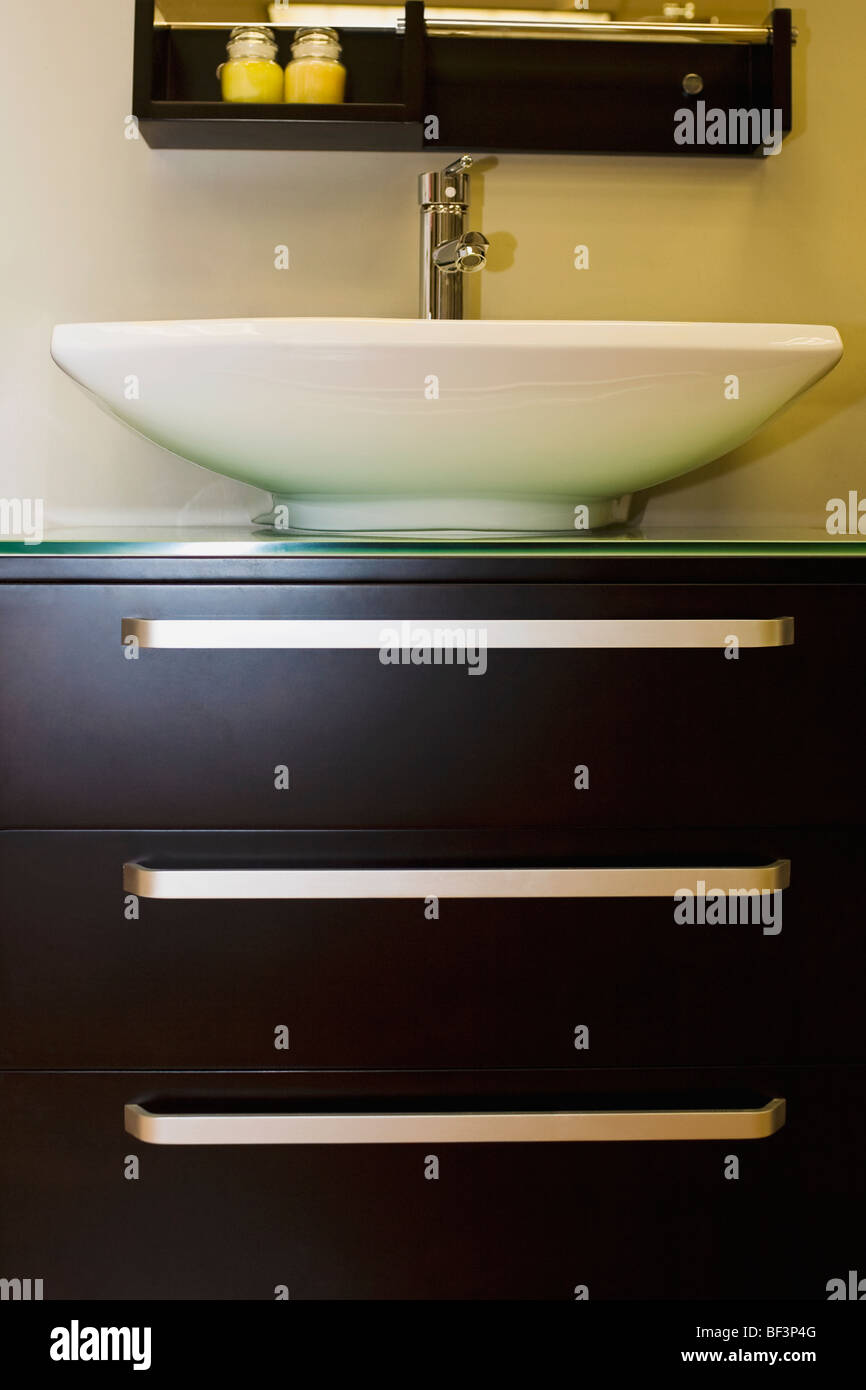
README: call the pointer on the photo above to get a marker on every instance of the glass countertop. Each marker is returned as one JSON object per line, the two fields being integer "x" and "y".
{"x": 240, "y": 542}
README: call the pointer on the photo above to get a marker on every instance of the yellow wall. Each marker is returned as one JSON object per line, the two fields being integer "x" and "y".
{"x": 101, "y": 227}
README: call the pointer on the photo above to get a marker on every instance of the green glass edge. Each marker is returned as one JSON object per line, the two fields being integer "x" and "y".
{"x": 631, "y": 548}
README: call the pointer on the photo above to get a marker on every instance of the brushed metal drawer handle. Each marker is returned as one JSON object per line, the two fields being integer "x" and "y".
{"x": 150, "y": 881}
{"x": 493, "y": 1127}
{"x": 336, "y": 634}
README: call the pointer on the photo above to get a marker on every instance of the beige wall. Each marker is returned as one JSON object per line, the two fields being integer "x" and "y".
{"x": 98, "y": 227}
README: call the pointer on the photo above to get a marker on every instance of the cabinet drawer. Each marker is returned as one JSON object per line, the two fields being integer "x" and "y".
{"x": 270, "y": 706}
{"x": 95, "y": 1212}
{"x": 298, "y": 949}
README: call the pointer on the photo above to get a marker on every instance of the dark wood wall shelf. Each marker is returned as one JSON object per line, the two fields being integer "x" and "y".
{"x": 491, "y": 94}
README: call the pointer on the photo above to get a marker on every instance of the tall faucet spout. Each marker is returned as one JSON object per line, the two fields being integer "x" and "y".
{"x": 464, "y": 253}
{"x": 448, "y": 249}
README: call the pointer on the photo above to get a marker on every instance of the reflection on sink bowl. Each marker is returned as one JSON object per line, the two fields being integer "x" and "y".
{"x": 408, "y": 424}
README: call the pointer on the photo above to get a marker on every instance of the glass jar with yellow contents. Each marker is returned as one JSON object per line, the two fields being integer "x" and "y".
{"x": 251, "y": 73}
{"x": 315, "y": 74}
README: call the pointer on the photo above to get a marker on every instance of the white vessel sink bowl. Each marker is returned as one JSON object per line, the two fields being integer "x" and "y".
{"x": 411, "y": 425}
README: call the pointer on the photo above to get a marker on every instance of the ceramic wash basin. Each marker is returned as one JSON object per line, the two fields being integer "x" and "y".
{"x": 474, "y": 425}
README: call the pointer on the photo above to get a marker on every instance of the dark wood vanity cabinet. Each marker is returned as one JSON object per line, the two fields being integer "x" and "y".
{"x": 254, "y": 878}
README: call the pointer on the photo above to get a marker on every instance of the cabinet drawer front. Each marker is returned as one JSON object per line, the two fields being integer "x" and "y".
{"x": 270, "y": 706}
{"x": 93, "y": 1211}
{"x": 298, "y": 949}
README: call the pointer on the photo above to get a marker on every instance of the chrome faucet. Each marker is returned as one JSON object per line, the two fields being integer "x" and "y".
{"x": 448, "y": 250}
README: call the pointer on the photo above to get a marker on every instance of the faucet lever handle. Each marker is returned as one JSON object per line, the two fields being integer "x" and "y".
{"x": 446, "y": 186}
{"x": 459, "y": 165}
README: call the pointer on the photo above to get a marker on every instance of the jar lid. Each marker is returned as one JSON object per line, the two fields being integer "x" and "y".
{"x": 316, "y": 42}
{"x": 252, "y": 41}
